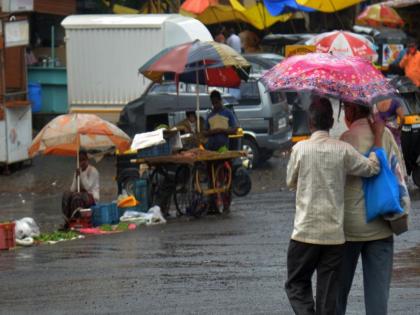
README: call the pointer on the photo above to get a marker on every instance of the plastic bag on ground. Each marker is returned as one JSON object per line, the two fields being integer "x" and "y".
{"x": 153, "y": 216}
{"x": 26, "y": 227}
{"x": 134, "y": 217}
{"x": 156, "y": 216}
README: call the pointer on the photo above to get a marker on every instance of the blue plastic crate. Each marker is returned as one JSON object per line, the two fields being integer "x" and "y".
{"x": 156, "y": 150}
{"x": 141, "y": 191}
{"x": 105, "y": 214}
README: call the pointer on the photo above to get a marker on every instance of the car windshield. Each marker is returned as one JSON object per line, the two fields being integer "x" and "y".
{"x": 247, "y": 93}
{"x": 163, "y": 88}
{"x": 166, "y": 87}
{"x": 262, "y": 62}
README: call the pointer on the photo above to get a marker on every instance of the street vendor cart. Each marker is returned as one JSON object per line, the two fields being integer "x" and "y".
{"x": 202, "y": 179}
{"x": 195, "y": 179}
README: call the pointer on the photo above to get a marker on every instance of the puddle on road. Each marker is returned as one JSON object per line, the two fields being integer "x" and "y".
{"x": 407, "y": 267}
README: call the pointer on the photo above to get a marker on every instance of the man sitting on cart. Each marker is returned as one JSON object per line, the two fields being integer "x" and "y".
{"x": 220, "y": 123}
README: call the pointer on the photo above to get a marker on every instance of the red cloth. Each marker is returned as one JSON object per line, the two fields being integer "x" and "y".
{"x": 96, "y": 231}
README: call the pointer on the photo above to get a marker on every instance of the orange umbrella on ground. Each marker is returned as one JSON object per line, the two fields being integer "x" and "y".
{"x": 66, "y": 134}
{"x": 380, "y": 15}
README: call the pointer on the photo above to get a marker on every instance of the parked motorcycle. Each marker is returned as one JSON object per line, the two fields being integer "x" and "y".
{"x": 410, "y": 132}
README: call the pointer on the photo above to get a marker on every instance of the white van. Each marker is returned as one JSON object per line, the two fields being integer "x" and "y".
{"x": 104, "y": 53}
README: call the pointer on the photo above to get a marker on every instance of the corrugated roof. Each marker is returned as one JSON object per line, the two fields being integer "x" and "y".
{"x": 120, "y": 20}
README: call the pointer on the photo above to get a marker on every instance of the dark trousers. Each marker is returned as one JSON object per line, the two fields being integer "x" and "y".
{"x": 377, "y": 260}
{"x": 73, "y": 200}
{"x": 302, "y": 260}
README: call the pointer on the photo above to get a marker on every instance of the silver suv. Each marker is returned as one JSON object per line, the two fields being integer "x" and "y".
{"x": 263, "y": 116}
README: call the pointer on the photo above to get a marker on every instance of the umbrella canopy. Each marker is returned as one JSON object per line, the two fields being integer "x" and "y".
{"x": 215, "y": 11}
{"x": 380, "y": 15}
{"x": 328, "y": 5}
{"x": 344, "y": 43}
{"x": 66, "y": 134}
{"x": 198, "y": 7}
{"x": 276, "y": 7}
{"x": 210, "y": 63}
{"x": 351, "y": 79}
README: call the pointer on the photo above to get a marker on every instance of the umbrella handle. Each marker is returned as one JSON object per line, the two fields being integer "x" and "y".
{"x": 340, "y": 107}
{"x": 77, "y": 173}
{"x": 198, "y": 101}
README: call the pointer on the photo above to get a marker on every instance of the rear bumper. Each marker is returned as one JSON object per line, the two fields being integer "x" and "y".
{"x": 277, "y": 141}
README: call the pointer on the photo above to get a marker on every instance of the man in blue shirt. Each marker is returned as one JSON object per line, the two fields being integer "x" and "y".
{"x": 220, "y": 123}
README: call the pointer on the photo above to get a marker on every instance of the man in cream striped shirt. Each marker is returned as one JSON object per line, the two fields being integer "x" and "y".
{"x": 317, "y": 169}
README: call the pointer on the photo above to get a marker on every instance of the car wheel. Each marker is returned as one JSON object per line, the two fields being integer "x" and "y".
{"x": 184, "y": 189}
{"x": 252, "y": 150}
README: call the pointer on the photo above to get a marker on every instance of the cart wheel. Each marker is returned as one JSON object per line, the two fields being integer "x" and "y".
{"x": 201, "y": 178}
{"x": 221, "y": 201}
{"x": 199, "y": 205}
{"x": 241, "y": 182}
{"x": 154, "y": 180}
{"x": 183, "y": 189}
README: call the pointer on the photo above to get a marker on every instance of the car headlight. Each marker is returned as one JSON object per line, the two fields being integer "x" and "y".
{"x": 282, "y": 123}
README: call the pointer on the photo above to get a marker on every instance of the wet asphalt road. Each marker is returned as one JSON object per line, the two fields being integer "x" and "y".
{"x": 229, "y": 264}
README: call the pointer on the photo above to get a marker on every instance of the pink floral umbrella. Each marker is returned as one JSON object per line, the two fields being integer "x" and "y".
{"x": 351, "y": 79}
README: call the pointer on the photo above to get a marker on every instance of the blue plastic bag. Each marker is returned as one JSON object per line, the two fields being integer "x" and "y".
{"x": 382, "y": 193}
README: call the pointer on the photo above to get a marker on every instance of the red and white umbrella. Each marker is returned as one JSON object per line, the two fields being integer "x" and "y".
{"x": 343, "y": 43}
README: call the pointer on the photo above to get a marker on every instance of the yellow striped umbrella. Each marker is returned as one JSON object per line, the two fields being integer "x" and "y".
{"x": 213, "y": 12}
{"x": 328, "y": 5}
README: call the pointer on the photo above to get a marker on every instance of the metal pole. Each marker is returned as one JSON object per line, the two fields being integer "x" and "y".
{"x": 78, "y": 169}
{"x": 52, "y": 46}
{"x": 337, "y": 15}
{"x": 197, "y": 92}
